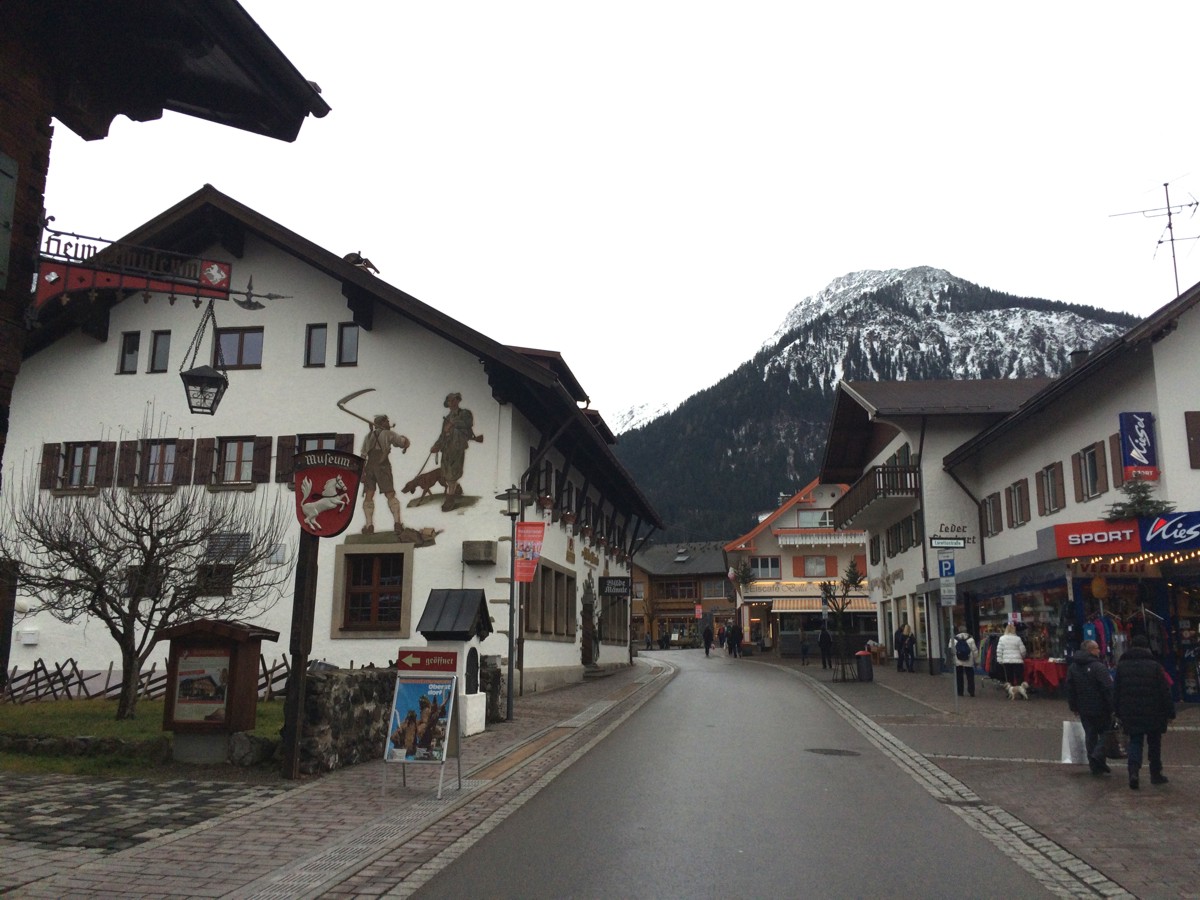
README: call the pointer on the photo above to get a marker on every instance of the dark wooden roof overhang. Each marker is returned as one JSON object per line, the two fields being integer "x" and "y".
{"x": 203, "y": 58}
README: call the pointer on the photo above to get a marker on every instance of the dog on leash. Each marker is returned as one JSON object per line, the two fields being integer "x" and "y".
{"x": 426, "y": 481}
{"x": 1018, "y": 690}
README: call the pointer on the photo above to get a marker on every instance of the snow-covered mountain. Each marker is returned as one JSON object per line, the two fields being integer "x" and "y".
{"x": 758, "y": 433}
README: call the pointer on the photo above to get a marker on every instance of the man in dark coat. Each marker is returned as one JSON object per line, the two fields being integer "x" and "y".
{"x": 825, "y": 642}
{"x": 898, "y": 643}
{"x": 708, "y": 639}
{"x": 1090, "y": 695}
{"x": 1143, "y": 703}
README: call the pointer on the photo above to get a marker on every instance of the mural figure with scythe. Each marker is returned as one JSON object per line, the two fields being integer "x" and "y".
{"x": 377, "y": 468}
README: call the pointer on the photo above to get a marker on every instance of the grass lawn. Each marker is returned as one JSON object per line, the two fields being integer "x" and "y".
{"x": 96, "y": 718}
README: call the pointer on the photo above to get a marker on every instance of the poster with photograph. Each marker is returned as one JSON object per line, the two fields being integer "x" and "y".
{"x": 422, "y": 708}
{"x": 528, "y": 550}
{"x": 200, "y": 685}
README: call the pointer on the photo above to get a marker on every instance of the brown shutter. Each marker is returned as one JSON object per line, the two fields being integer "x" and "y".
{"x": 260, "y": 471}
{"x": 1057, "y": 469}
{"x": 285, "y": 453}
{"x": 1077, "y": 475}
{"x": 206, "y": 454}
{"x": 1025, "y": 498}
{"x": 127, "y": 457}
{"x": 1191, "y": 425}
{"x": 1101, "y": 469}
{"x": 51, "y": 466}
{"x": 1008, "y": 507}
{"x": 861, "y": 562}
{"x": 106, "y": 464}
{"x": 1041, "y": 494}
{"x": 183, "y": 461}
{"x": 797, "y": 566}
{"x": 1114, "y": 452}
{"x": 344, "y": 442}
{"x": 831, "y": 566}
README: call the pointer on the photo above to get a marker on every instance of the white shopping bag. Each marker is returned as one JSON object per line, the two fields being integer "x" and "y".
{"x": 1072, "y": 743}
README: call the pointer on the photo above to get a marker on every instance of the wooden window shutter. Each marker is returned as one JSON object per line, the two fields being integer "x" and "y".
{"x": 1101, "y": 469}
{"x": 183, "y": 461}
{"x": 206, "y": 454}
{"x": 1040, "y": 483}
{"x": 344, "y": 442}
{"x": 106, "y": 464}
{"x": 1114, "y": 453}
{"x": 831, "y": 567}
{"x": 797, "y": 566}
{"x": 1057, "y": 470}
{"x": 260, "y": 471}
{"x": 127, "y": 458}
{"x": 51, "y": 466}
{"x": 1025, "y": 497}
{"x": 1008, "y": 507}
{"x": 285, "y": 452}
{"x": 999, "y": 517}
{"x": 1077, "y": 475}
{"x": 861, "y": 562}
{"x": 1191, "y": 425}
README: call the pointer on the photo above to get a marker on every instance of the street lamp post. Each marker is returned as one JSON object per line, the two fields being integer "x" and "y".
{"x": 514, "y": 501}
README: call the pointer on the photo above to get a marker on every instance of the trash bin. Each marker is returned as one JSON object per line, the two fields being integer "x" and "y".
{"x": 866, "y": 671}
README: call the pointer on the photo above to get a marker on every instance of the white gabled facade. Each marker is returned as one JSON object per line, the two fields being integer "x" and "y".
{"x": 525, "y": 406}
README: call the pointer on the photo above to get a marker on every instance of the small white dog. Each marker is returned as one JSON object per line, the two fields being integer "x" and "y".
{"x": 1018, "y": 690}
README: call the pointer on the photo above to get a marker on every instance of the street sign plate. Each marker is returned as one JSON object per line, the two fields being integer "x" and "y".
{"x": 948, "y": 543}
{"x": 427, "y": 661}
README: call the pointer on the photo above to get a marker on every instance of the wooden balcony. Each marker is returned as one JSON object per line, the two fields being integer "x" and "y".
{"x": 884, "y": 490}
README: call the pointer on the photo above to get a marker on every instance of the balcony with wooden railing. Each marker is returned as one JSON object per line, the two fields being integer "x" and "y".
{"x": 882, "y": 492}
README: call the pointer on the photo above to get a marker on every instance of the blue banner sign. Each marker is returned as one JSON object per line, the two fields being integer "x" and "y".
{"x": 1139, "y": 455}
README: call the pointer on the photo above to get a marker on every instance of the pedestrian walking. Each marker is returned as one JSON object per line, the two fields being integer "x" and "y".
{"x": 803, "y": 647}
{"x": 1090, "y": 696}
{"x": 962, "y": 645}
{"x": 708, "y": 639}
{"x": 1143, "y": 704}
{"x": 908, "y": 649}
{"x": 825, "y": 642}
{"x": 649, "y": 640}
{"x": 1010, "y": 653}
{"x": 734, "y": 637}
{"x": 898, "y": 648}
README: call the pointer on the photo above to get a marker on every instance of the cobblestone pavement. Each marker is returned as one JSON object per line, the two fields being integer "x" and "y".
{"x": 368, "y": 827}
{"x": 361, "y": 832}
{"x": 1002, "y": 759}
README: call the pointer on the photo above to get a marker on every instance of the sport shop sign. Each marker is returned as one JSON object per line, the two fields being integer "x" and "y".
{"x": 1152, "y": 534}
{"x": 326, "y": 490}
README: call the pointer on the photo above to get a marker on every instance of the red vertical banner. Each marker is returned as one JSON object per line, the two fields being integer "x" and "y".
{"x": 528, "y": 550}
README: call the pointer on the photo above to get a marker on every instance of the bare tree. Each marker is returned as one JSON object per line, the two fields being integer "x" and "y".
{"x": 140, "y": 561}
{"x": 851, "y": 580}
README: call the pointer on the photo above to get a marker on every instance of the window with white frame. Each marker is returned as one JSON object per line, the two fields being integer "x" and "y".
{"x": 1016, "y": 498}
{"x": 714, "y": 588}
{"x": 1050, "y": 489}
{"x": 815, "y": 518}
{"x": 765, "y": 568}
{"x": 993, "y": 518}
{"x": 814, "y": 567}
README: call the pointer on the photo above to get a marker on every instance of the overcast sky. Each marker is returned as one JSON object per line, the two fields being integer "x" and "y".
{"x": 648, "y": 187}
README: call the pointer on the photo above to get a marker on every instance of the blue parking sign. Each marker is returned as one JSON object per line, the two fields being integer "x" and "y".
{"x": 945, "y": 568}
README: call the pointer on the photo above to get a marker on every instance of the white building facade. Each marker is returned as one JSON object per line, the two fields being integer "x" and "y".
{"x": 100, "y": 385}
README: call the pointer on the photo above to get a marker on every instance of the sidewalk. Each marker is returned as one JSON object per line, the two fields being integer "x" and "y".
{"x": 354, "y": 832}
{"x": 1007, "y": 752}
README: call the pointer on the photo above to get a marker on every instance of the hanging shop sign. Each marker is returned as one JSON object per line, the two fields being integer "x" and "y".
{"x": 326, "y": 484}
{"x": 615, "y": 585}
{"x": 1139, "y": 455}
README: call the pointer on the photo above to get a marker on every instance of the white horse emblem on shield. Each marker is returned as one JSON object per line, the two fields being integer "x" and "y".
{"x": 333, "y": 496}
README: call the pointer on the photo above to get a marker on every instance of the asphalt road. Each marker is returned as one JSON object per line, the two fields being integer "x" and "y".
{"x": 735, "y": 780}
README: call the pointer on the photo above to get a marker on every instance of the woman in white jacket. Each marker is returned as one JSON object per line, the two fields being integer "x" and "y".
{"x": 1010, "y": 653}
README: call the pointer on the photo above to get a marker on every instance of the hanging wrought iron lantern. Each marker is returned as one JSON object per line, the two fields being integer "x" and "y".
{"x": 204, "y": 385}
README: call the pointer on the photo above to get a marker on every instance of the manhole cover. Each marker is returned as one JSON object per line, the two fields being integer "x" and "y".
{"x": 833, "y": 751}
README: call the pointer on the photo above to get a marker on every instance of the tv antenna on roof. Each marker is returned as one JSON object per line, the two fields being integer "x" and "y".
{"x": 1170, "y": 212}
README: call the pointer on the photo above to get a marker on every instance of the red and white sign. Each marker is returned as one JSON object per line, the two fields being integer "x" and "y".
{"x": 1097, "y": 538}
{"x": 699, "y": 611}
{"x": 427, "y": 660}
{"x": 326, "y": 488}
{"x": 528, "y": 550}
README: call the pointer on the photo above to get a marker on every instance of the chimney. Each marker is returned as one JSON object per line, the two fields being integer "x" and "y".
{"x": 1078, "y": 357}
